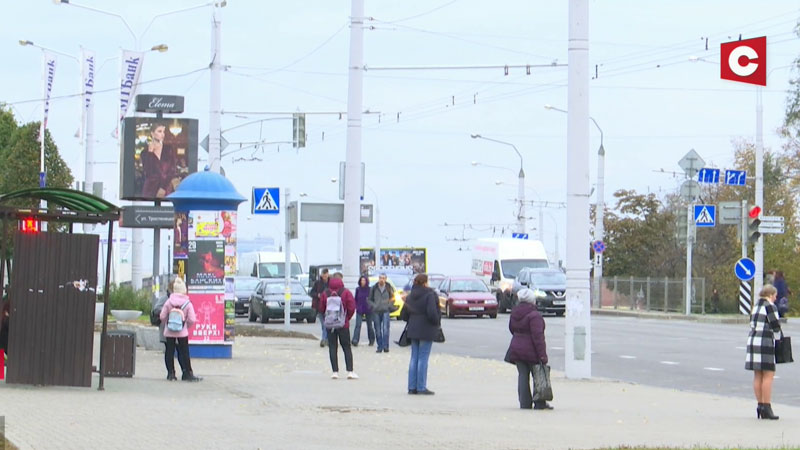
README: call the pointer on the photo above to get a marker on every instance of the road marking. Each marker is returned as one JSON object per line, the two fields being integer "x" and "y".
{"x": 741, "y": 348}
{"x": 557, "y": 348}
{"x": 627, "y": 357}
{"x": 714, "y": 369}
{"x": 670, "y": 363}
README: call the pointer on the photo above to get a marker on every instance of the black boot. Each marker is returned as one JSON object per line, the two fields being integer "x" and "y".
{"x": 766, "y": 412}
{"x": 190, "y": 377}
{"x": 758, "y": 410}
{"x": 171, "y": 376}
{"x": 541, "y": 405}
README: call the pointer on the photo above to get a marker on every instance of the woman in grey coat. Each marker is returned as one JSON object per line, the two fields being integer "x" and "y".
{"x": 764, "y": 327}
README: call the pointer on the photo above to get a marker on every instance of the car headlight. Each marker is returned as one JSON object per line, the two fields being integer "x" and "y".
{"x": 460, "y": 302}
{"x": 505, "y": 286}
{"x": 539, "y": 293}
{"x": 306, "y": 304}
{"x": 491, "y": 302}
{"x": 273, "y": 304}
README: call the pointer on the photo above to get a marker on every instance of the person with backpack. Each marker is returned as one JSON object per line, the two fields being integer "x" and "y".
{"x": 155, "y": 319}
{"x": 339, "y": 306}
{"x": 178, "y": 315}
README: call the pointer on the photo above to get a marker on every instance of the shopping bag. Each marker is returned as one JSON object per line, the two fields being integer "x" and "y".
{"x": 403, "y": 341}
{"x": 439, "y": 336}
{"x": 542, "y": 390}
{"x": 783, "y": 350}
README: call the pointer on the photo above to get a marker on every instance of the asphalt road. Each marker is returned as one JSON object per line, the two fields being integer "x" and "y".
{"x": 672, "y": 354}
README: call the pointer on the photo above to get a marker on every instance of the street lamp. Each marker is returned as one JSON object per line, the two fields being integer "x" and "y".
{"x": 599, "y": 228}
{"x": 521, "y": 185}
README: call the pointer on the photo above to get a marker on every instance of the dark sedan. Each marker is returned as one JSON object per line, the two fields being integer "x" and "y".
{"x": 244, "y": 288}
{"x": 268, "y": 302}
{"x": 466, "y": 296}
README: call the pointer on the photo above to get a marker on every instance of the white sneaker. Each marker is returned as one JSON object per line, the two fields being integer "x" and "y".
{"x": 335, "y": 375}
{"x": 352, "y": 376}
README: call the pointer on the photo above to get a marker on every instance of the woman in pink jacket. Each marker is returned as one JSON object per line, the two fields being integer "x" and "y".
{"x": 180, "y": 303}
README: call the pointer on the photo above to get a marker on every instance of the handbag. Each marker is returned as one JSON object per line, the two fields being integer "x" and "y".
{"x": 439, "y": 335}
{"x": 403, "y": 341}
{"x": 783, "y": 350}
{"x": 508, "y": 357}
{"x": 542, "y": 389}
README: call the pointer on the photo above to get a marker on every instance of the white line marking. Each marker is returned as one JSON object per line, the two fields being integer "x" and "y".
{"x": 714, "y": 369}
{"x": 557, "y": 348}
{"x": 670, "y": 363}
{"x": 741, "y": 348}
{"x": 627, "y": 357}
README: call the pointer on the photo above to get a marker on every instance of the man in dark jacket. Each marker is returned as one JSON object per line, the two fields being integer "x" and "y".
{"x": 528, "y": 346}
{"x": 319, "y": 287}
{"x": 381, "y": 300}
{"x": 340, "y": 335}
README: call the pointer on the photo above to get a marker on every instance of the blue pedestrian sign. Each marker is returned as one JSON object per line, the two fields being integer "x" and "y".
{"x": 519, "y": 235}
{"x": 706, "y": 175}
{"x": 705, "y": 215}
{"x": 735, "y": 177}
{"x": 745, "y": 269}
{"x": 266, "y": 201}
{"x": 599, "y": 246}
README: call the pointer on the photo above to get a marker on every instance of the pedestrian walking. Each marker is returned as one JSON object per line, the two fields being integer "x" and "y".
{"x": 363, "y": 312}
{"x": 528, "y": 347}
{"x": 178, "y": 314}
{"x": 339, "y": 306}
{"x": 424, "y": 317}
{"x": 764, "y": 327}
{"x": 782, "y": 303}
{"x": 381, "y": 301}
{"x": 319, "y": 287}
{"x": 155, "y": 319}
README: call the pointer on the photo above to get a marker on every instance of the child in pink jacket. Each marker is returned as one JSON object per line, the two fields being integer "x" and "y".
{"x": 179, "y": 339}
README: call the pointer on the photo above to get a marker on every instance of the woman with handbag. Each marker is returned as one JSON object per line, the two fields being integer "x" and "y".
{"x": 528, "y": 347}
{"x": 421, "y": 311}
{"x": 764, "y": 326}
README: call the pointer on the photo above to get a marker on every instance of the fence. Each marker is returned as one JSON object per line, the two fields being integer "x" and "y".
{"x": 651, "y": 294}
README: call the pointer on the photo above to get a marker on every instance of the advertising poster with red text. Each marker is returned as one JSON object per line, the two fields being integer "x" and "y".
{"x": 210, "y": 325}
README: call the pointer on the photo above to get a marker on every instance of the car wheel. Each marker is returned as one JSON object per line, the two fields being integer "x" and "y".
{"x": 493, "y": 316}
{"x": 449, "y": 313}
{"x": 251, "y": 316}
{"x": 311, "y": 319}
{"x": 264, "y": 318}
{"x": 559, "y": 313}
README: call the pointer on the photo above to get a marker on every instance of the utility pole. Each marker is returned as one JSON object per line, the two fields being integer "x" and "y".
{"x": 689, "y": 244}
{"x": 578, "y": 339}
{"x": 215, "y": 100}
{"x": 352, "y": 189}
{"x": 758, "y": 279}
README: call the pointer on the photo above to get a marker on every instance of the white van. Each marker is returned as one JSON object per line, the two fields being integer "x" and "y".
{"x": 498, "y": 260}
{"x": 267, "y": 265}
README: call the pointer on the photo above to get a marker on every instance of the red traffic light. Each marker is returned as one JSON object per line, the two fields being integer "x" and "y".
{"x": 29, "y": 225}
{"x": 755, "y": 211}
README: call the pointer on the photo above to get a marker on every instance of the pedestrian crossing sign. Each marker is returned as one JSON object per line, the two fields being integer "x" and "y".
{"x": 705, "y": 215}
{"x": 266, "y": 201}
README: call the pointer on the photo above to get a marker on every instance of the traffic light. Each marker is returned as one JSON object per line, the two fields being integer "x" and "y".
{"x": 298, "y": 130}
{"x": 753, "y": 222}
{"x": 29, "y": 225}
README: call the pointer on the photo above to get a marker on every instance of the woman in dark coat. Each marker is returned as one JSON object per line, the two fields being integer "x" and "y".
{"x": 528, "y": 346}
{"x": 783, "y": 293}
{"x": 362, "y": 309}
{"x": 421, "y": 311}
{"x": 764, "y": 327}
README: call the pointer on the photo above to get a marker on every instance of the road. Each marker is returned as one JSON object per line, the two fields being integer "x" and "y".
{"x": 673, "y": 354}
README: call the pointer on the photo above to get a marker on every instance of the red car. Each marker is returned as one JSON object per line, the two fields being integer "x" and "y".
{"x": 466, "y": 296}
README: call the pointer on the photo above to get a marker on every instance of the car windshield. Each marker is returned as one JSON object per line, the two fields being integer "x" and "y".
{"x": 434, "y": 282}
{"x": 511, "y": 267}
{"x": 468, "y": 286}
{"x": 549, "y": 278}
{"x": 277, "y": 288}
{"x": 276, "y": 270}
{"x": 246, "y": 284}
{"x": 398, "y": 279}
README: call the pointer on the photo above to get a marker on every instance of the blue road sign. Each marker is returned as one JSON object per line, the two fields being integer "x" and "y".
{"x": 736, "y": 177}
{"x": 745, "y": 269}
{"x": 706, "y": 175}
{"x": 266, "y": 201}
{"x": 519, "y": 235}
{"x": 705, "y": 215}
{"x": 599, "y": 246}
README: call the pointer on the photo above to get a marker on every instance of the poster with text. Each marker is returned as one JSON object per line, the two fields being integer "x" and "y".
{"x": 213, "y": 225}
{"x": 210, "y": 325}
{"x": 205, "y": 266}
{"x": 181, "y": 236}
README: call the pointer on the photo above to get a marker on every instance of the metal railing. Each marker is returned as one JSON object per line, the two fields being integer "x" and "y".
{"x": 651, "y": 294}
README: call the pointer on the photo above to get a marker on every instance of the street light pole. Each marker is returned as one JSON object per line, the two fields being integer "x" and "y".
{"x": 520, "y": 183}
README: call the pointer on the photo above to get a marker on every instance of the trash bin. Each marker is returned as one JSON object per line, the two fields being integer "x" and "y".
{"x": 120, "y": 354}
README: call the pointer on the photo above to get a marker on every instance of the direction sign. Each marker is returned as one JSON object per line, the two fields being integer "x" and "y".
{"x": 599, "y": 246}
{"x": 745, "y": 269}
{"x": 266, "y": 201}
{"x": 706, "y": 175}
{"x": 730, "y": 213}
{"x": 690, "y": 190}
{"x": 736, "y": 177}
{"x": 705, "y": 215}
{"x": 519, "y": 235}
{"x": 148, "y": 216}
{"x": 691, "y": 163}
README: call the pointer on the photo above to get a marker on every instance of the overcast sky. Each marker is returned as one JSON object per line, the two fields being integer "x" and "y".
{"x": 652, "y": 102}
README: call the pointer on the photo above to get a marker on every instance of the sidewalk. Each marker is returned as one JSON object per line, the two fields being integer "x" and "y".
{"x": 276, "y": 394}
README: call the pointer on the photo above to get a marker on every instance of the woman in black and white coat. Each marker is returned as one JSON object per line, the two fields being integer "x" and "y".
{"x": 764, "y": 328}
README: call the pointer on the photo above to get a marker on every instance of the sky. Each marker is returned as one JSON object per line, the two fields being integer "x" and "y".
{"x": 656, "y": 95}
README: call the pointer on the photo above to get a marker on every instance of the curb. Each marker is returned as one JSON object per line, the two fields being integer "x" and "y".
{"x": 724, "y": 319}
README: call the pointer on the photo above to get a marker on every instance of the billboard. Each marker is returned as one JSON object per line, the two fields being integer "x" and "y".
{"x": 156, "y": 155}
{"x": 413, "y": 260}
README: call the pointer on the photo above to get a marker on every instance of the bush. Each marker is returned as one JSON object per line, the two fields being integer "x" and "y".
{"x": 124, "y": 297}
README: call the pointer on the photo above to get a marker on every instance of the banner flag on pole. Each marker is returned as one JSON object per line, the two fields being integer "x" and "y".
{"x": 49, "y": 74}
{"x": 87, "y": 85}
{"x": 129, "y": 78}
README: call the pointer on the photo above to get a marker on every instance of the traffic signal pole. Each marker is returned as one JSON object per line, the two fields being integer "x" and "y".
{"x": 758, "y": 281}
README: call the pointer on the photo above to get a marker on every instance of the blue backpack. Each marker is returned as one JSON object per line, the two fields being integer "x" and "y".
{"x": 177, "y": 318}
